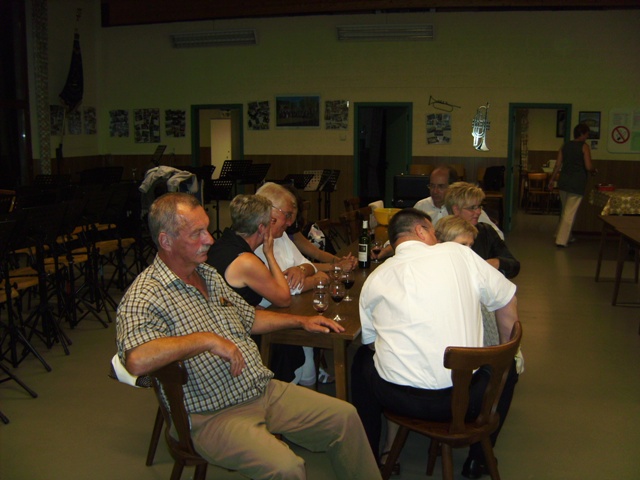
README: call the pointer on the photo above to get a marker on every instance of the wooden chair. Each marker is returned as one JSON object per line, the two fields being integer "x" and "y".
{"x": 460, "y": 171}
{"x": 462, "y": 361}
{"x": 420, "y": 169}
{"x": 169, "y": 380}
{"x": 538, "y": 198}
{"x": 351, "y": 204}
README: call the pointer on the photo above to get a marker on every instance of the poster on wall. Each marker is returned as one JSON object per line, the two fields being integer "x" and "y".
{"x": 175, "y": 123}
{"x": 438, "y": 128}
{"x": 74, "y": 122}
{"x": 146, "y": 125}
{"x": 118, "y": 123}
{"x": 89, "y": 121}
{"x": 592, "y": 119}
{"x": 298, "y": 111}
{"x": 336, "y": 114}
{"x": 56, "y": 119}
{"x": 259, "y": 115}
{"x": 624, "y": 130}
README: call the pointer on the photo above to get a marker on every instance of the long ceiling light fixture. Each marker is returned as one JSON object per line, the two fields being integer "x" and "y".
{"x": 348, "y": 33}
{"x": 221, "y": 38}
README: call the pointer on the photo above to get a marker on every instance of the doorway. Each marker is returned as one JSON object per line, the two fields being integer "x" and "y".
{"x": 382, "y": 148}
{"x": 216, "y": 133}
{"x": 518, "y": 148}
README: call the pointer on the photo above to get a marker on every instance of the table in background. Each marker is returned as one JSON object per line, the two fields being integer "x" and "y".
{"x": 338, "y": 342}
{"x": 624, "y": 201}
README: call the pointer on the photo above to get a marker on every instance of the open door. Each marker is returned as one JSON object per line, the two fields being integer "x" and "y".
{"x": 382, "y": 148}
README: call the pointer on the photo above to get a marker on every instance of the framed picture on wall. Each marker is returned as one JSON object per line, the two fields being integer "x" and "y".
{"x": 561, "y": 123}
{"x": 593, "y": 120}
{"x": 301, "y": 111}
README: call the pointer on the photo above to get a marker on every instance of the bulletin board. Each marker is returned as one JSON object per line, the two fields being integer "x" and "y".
{"x": 624, "y": 130}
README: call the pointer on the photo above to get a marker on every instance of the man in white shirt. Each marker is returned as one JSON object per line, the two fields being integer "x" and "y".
{"x": 422, "y": 300}
{"x": 440, "y": 179}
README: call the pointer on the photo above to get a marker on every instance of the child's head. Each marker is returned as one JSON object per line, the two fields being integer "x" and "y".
{"x": 455, "y": 229}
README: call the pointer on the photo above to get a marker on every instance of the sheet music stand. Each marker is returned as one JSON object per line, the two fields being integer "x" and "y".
{"x": 328, "y": 187}
{"x": 218, "y": 190}
{"x": 298, "y": 180}
{"x": 157, "y": 155}
{"x": 256, "y": 173}
{"x": 234, "y": 170}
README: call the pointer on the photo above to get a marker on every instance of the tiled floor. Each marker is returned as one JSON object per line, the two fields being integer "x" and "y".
{"x": 575, "y": 415}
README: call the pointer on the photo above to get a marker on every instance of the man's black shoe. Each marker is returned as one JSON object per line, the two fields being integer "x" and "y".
{"x": 473, "y": 468}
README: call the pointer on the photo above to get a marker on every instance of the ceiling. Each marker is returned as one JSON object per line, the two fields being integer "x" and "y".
{"x": 128, "y": 12}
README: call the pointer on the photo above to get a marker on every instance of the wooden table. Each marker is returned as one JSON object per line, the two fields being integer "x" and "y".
{"x": 627, "y": 229}
{"x": 338, "y": 342}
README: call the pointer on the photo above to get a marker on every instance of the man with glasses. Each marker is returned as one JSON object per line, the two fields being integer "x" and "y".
{"x": 439, "y": 181}
{"x": 412, "y": 307}
{"x": 465, "y": 200}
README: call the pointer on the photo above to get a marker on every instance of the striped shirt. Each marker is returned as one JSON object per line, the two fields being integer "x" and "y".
{"x": 158, "y": 304}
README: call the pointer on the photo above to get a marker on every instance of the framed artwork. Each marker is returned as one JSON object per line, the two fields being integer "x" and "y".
{"x": 336, "y": 114}
{"x": 593, "y": 120}
{"x": 561, "y": 123}
{"x": 301, "y": 111}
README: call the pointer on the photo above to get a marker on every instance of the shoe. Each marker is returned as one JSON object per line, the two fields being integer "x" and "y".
{"x": 560, "y": 246}
{"x": 324, "y": 377}
{"x": 395, "y": 471}
{"x": 473, "y": 468}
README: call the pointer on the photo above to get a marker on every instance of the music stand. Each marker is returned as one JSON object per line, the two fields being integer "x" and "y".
{"x": 256, "y": 173}
{"x": 218, "y": 190}
{"x": 157, "y": 155}
{"x": 328, "y": 187}
{"x": 298, "y": 180}
{"x": 8, "y": 230}
{"x": 234, "y": 170}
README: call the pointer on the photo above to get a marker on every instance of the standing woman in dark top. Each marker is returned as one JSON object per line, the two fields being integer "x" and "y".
{"x": 232, "y": 254}
{"x": 465, "y": 200}
{"x": 574, "y": 160}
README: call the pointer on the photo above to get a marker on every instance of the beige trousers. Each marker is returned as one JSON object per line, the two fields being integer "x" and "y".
{"x": 242, "y": 438}
{"x": 570, "y": 204}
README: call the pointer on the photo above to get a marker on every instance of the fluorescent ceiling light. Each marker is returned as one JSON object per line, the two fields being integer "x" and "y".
{"x": 213, "y": 38}
{"x": 385, "y": 32}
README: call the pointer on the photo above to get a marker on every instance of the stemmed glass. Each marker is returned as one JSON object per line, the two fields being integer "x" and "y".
{"x": 337, "y": 292}
{"x": 320, "y": 301}
{"x": 336, "y": 273}
{"x": 376, "y": 248}
{"x": 348, "y": 281}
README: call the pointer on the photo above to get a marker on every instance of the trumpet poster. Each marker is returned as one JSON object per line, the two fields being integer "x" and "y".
{"x": 438, "y": 128}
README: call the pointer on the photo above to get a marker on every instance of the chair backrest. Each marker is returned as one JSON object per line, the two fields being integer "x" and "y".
{"x": 493, "y": 178}
{"x": 463, "y": 361}
{"x": 351, "y": 204}
{"x": 167, "y": 383}
{"x": 537, "y": 181}
{"x": 349, "y": 221}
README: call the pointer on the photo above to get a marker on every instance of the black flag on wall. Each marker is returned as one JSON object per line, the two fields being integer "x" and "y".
{"x": 73, "y": 90}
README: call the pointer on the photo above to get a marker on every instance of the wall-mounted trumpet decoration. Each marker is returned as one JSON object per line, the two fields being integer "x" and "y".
{"x": 480, "y": 126}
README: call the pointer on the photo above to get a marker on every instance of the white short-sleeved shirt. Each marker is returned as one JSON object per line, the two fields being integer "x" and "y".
{"x": 422, "y": 300}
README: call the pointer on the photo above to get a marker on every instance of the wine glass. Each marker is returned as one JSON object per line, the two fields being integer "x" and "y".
{"x": 376, "y": 248}
{"x": 337, "y": 292}
{"x": 336, "y": 273}
{"x": 348, "y": 282}
{"x": 320, "y": 301}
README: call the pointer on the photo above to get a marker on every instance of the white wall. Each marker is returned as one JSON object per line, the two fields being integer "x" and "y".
{"x": 581, "y": 58}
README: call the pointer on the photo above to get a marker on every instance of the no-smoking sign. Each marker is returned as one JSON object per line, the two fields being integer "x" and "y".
{"x": 620, "y": 134}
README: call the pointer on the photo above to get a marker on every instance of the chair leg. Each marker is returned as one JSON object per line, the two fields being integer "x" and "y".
{"x": 176, "y": 473}
{"x": 396, "y": 448}
{"x": 490, "y": 458}
{"x": 155, "y": 437}
{"x": 447, "y": 462}
{"x": 434, "y": 452}
{"x": 201, "y": 472}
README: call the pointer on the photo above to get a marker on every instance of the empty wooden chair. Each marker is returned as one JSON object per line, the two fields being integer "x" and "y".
{"x": 538, "y": 197}
{"x": 457, "y": 432}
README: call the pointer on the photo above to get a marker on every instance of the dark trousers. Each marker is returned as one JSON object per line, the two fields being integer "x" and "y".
{"x": 370, "y": 394}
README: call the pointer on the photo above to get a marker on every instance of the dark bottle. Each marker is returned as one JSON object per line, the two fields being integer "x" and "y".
{"x": 363, "y": 246}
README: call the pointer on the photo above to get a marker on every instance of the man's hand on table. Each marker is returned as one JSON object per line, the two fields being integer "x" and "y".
{"x": 320, "y": 324}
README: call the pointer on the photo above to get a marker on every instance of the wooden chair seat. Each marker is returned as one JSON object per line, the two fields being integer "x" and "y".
{"x": 463, "y": 362}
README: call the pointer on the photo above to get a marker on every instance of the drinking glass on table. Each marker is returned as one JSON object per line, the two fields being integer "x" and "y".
{"x": 376, "y": 248}
{"x": 348, "y": 281}
{"x": 336, "y": 273}
{"x": 320, "y": 301}
{"x": 337, "y": 292}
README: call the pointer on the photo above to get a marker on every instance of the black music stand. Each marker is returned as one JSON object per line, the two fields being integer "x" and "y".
{"x": 298, "y": 180}
{"x": 218, "y": 190}
{"x": 328, "y": 187}
{"x": 234, "y": 170}
{"x": 204, "y": 172}
{"x": 8, "y": 230}
{"x": 42, "y": 224}
{"x": 256, "y": 173}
